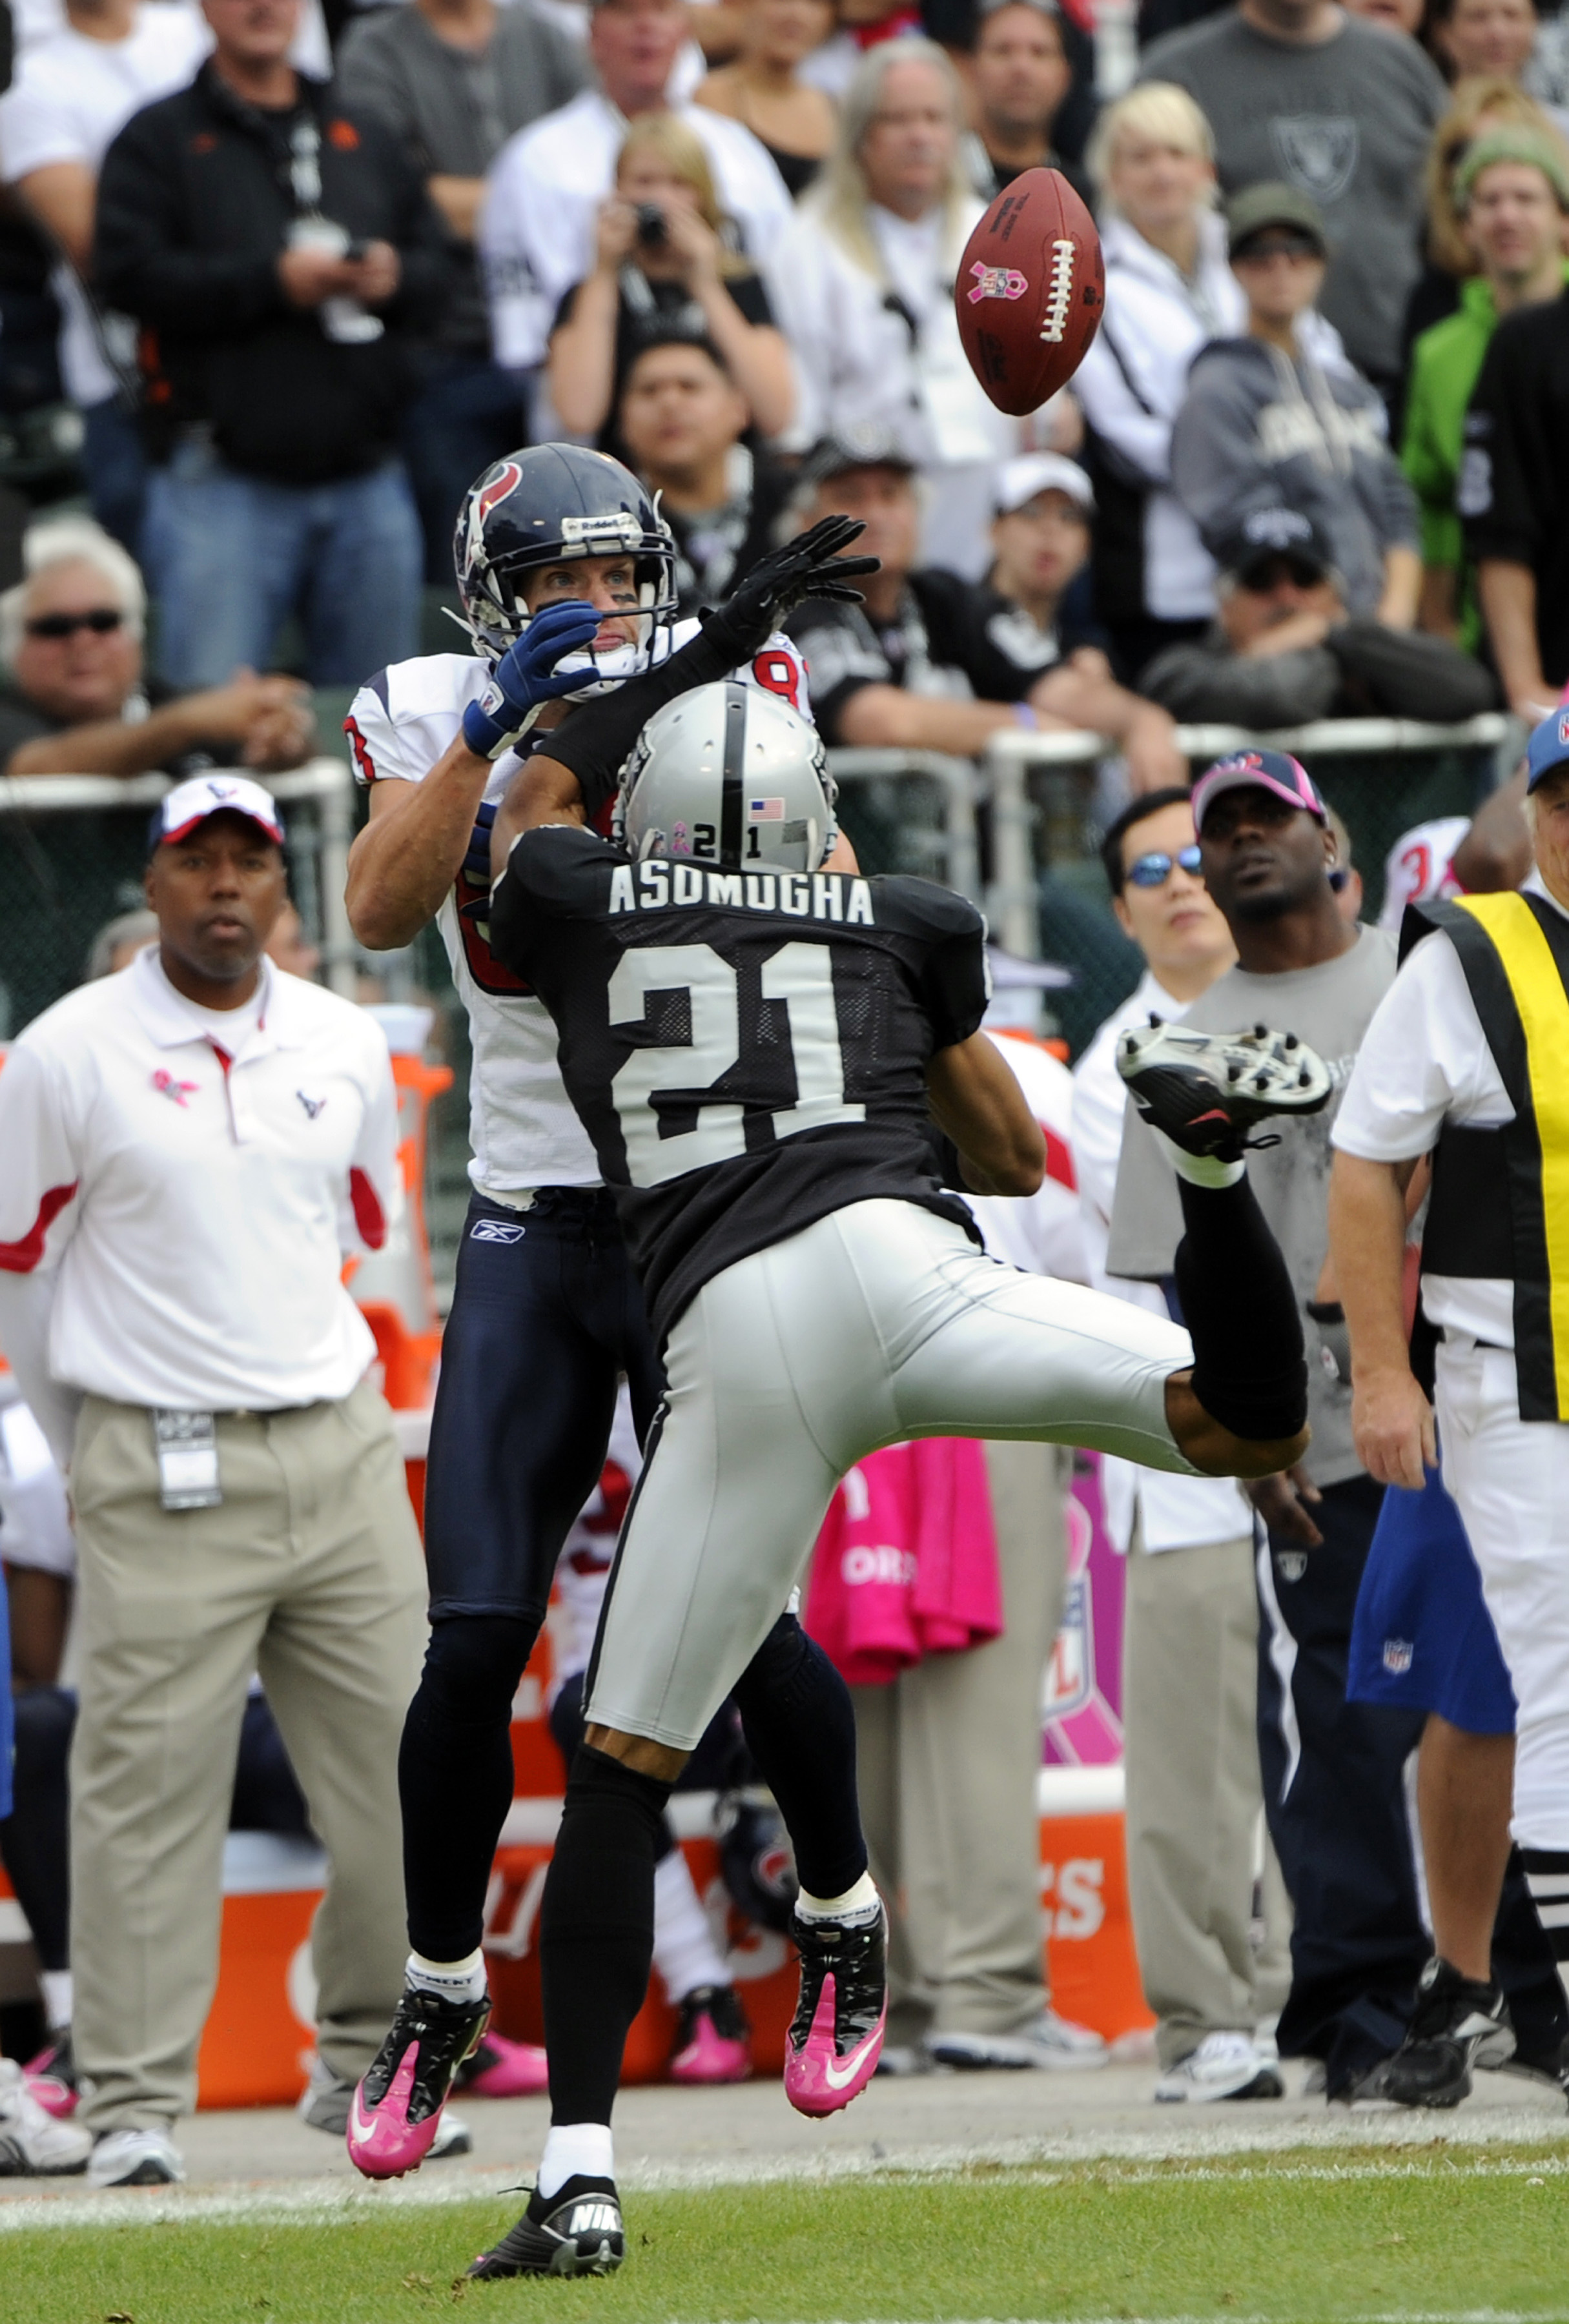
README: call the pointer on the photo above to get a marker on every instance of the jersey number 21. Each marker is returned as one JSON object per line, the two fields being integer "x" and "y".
{"x": 801, "y": 975}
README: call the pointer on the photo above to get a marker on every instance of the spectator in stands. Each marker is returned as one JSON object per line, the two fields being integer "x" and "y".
{"x": 662, "y": 262}
{"x": 1513, "y": 497}
{"x": 1298, "y": 87}
{"x": 862, "y": 283}
{"x": 1169, "y": 290}
{"x": 1478, "y": 107}
{"x": 74, "y": 89}
{"x": 930, "y": 661}
{"x": 278, "y": 252}
{"x": 1190, "y": 1634}
{"x": 1513, "y": 191}
{"x": 537, "y": 228}
{"x": 1274, "y": 420}
{"x": 682, "y": 419}
{"x": 1019, "y": 78}
{"x": 455, "y": 79}
{"x": 1282, "y": 650}
{"x": 1474, "y": 39}
{"x": 763, "y": 89}
{"x": 75, "y": 701}
{"x": 239, "y": 1496}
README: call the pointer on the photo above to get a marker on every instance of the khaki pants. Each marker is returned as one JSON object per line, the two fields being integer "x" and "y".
{"x": 1190, "y": 1693}
{"x": 310, "y": 1572}
{"x": 948, "y": 1756}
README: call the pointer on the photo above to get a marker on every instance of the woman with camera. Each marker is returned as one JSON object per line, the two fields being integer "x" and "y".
{"x": 663, "y": 262}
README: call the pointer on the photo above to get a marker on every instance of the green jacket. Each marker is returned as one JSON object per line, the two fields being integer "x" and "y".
{"x": 1444, "y": 364}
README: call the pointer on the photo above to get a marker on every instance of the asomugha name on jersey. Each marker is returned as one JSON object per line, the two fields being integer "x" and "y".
{"x": 746, "y": 1049}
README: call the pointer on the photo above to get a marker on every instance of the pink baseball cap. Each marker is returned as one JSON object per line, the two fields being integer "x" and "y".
{"x": 1263, "y": 771}
{"x": 179, "y": 811}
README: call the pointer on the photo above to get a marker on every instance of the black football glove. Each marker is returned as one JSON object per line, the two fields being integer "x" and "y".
{"x": 810, "y": 566}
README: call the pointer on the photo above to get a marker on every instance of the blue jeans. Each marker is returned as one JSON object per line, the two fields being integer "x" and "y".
{"x": 228, "y": 556}
{"x": 468, "y": 413}
{"x": 116, "y": 468}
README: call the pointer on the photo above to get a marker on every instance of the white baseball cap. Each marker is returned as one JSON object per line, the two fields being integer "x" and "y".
{"x": 190, "y": 803}
{"x": 1018, "y": 481}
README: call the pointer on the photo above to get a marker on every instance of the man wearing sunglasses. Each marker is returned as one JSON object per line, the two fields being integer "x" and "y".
{"x": 1283, "y": 649}
{"x": 1333, "y": 1772}
{"x": 1190, "y": 1635}
{"x": 75, "y": 700}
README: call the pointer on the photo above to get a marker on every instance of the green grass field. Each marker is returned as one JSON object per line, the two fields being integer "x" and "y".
{"x": 1433, "y": 2233}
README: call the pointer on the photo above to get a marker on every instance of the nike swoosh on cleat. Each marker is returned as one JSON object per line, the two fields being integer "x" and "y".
{"x": 1215, "y": 1113}
{"x": 835, "y": 2074}
{"x": 359, "y": 2129}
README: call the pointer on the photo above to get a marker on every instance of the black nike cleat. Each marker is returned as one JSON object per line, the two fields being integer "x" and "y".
{"x": 1204, "y": 1090}
{"x": 1458, "y": 2024}
{"x": 575, "y": 2231}
{"x": 836, "y": 2037}
{"x": 394, "y": 2116}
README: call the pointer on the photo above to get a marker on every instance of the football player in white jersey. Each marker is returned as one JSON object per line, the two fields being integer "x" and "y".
{"x": 566, "y": 573}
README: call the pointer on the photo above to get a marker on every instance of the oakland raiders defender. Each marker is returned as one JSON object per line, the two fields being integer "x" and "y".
{"x": 566, "y": 573}
{"x": 753, "y": 1042}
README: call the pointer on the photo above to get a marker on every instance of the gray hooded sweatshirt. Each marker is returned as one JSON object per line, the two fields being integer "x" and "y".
{"x": 1257, "y": 431}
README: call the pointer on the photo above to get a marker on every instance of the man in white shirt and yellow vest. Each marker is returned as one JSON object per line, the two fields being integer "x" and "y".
{"x": 189, "y": 1146}
{"x": 1465, "y": 1058}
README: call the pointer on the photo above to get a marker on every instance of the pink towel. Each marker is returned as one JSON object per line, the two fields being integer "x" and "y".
{"x": 906, "y": 1563}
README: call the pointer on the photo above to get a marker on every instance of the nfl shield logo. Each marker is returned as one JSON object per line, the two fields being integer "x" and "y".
{"x": 1398, "y": 1654}
{"x": 1317, "y": 151}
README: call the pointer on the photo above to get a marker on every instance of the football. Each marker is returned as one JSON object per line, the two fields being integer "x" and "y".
{"x": 1029, "y": 291}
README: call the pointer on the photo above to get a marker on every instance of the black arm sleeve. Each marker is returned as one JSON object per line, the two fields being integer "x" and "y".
{"x": 595, "y": 743}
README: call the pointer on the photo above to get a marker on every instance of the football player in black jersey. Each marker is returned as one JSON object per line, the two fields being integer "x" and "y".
{"x": 756, "y": 1044}
{"x": 566, "y": 573}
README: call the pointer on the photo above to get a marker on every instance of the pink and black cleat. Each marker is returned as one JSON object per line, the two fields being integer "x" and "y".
{"x": 836, "y": 2037}
{"x": 712, "y": 2040}
{"x": 396, "y": 2112}
{"x": 51, "y": 2077}
{"x": 497, "y": 2068}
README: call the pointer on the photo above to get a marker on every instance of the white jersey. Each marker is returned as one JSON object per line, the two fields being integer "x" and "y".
{"x": 1420, "y": 866}
{"x": 522, "y": 1125}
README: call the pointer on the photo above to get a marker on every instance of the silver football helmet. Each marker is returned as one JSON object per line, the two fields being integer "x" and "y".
{"x": 730, "y": 775}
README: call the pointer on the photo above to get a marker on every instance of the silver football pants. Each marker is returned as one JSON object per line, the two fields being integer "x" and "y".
{"x": 880, "y": 1321}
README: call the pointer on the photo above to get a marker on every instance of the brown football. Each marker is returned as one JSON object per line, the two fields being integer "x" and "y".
{"x": 1029, "y": 292}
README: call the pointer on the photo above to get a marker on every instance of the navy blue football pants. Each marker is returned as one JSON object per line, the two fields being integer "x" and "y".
{"x": 1334, "y": 1795}
{"x": 547, "y": 1314}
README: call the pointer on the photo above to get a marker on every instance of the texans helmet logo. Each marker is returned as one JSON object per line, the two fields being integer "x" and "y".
{"x": 506, "y": 480}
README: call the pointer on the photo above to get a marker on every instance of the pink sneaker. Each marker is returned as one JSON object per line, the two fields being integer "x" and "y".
{"x": 836, "y": 2037}
{"x": 51, "y": 2077}
{"x": 712, "y": 2041}
{"x": 396, "y": 2112}
{"x": 500, "y": 2069}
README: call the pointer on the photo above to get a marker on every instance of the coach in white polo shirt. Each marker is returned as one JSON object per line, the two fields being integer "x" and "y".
{"x": 188, "y": 1147}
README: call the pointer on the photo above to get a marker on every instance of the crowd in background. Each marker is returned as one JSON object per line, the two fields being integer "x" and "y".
{"x": 287, "y": 283}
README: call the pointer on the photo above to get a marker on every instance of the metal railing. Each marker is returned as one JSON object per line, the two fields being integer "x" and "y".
{"x": 949, "y": 849}
{"x": 318, "y": 844}
{"x": 1010, "y": 756}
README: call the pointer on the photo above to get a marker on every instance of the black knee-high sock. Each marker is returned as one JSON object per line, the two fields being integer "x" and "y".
{"x": 455, "y": 1776}
{"x": 801, "y": 1725}
{"x": 1241, "y": 1309}
{"x": 596, "y": 1929}
{"x": 568, "y": 1727}
{"x": 1546, "y": 1872}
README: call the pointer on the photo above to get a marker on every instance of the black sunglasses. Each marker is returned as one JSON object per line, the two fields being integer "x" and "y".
{"x": 101, "y": 621}
{"x": 1265, "y": 574}
{"x": 1265, "y": 246}
{"x": 1152, "y": 869}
